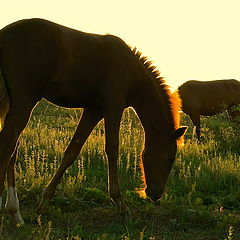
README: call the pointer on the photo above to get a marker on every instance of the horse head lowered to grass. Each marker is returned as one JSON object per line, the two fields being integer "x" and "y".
{"x": 99, "y": 73}
{"x": 208, "y": 98}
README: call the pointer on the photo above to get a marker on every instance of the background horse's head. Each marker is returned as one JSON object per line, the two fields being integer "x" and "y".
{"x": 157, "y": 161}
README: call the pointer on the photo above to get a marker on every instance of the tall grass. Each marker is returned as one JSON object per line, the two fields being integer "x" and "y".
{"x": 201, "y": 201}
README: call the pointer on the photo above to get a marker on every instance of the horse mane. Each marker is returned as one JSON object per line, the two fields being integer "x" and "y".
{"x": 173, "y": 100}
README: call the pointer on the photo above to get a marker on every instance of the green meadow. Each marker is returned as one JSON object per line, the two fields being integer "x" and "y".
{"x": 201, "y": 200}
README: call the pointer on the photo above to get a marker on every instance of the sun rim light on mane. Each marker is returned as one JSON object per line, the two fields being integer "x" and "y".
{"x": 172, "y": 98}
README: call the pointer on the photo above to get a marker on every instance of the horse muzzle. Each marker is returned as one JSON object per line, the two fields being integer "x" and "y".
{"x": 154, "y": 195}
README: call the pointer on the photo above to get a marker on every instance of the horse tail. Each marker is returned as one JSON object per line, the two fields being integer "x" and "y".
{"x": 4, "y": 96}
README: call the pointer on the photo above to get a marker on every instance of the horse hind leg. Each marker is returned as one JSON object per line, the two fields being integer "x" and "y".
{"x": 15, "y": 122}
{"x": 89, "y": 120}
{"x": 12, "y": 203}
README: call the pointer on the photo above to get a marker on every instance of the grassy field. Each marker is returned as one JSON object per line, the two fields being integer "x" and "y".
{"x": 201, "y": 201}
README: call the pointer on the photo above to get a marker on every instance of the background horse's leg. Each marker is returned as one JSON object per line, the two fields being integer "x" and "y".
{"x": 15, "y": 122}
{"x": 112, "y": 123}
{"x": 230, "y": 113}
{"x": 12, "y": 204}
{"x": 195, "y": 117}
{"x": 89, "y": 120}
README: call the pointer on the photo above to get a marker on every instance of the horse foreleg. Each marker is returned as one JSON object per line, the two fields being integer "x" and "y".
{"x": 112, "y": 124}
{"x": 89, "y": 120}
{"x": 12, "y": 203}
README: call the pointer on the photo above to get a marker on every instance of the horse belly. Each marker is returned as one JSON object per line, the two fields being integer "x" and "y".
{"x": 209, "y": 109}
{"x": 71, "y": 95}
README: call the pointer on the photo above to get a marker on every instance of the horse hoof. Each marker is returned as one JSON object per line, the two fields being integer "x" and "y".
{"x": 17, "y": 220}
{"x": 126, "y": 213}
{"x": 123, "y": 210}
{"x": 42, "y": 207}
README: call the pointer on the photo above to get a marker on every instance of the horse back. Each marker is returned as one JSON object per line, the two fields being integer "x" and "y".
{"x": 209, "y": 97}
{"x": 68, "y": 67}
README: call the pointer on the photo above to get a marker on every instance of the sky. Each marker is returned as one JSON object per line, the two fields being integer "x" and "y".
{"x": 185, "y": 39}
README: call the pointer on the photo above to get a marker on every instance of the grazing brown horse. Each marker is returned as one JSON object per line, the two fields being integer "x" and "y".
{"x": 208, "y": 98}
{"x": 99, "y": 73}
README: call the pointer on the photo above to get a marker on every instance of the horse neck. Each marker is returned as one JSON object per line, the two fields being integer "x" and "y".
{"x": 153, "y": 109}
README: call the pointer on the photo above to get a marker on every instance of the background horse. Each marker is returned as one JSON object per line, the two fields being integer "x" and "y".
{"x": 208, "y": 98}
{"x": 99, "y": 73}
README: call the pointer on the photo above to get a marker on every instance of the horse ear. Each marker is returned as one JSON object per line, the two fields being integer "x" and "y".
{"x": 179, "y": 132}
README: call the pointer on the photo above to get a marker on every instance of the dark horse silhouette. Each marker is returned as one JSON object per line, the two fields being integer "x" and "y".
{"x": 99, "y": 73}
{"x": 208, "y": 98}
